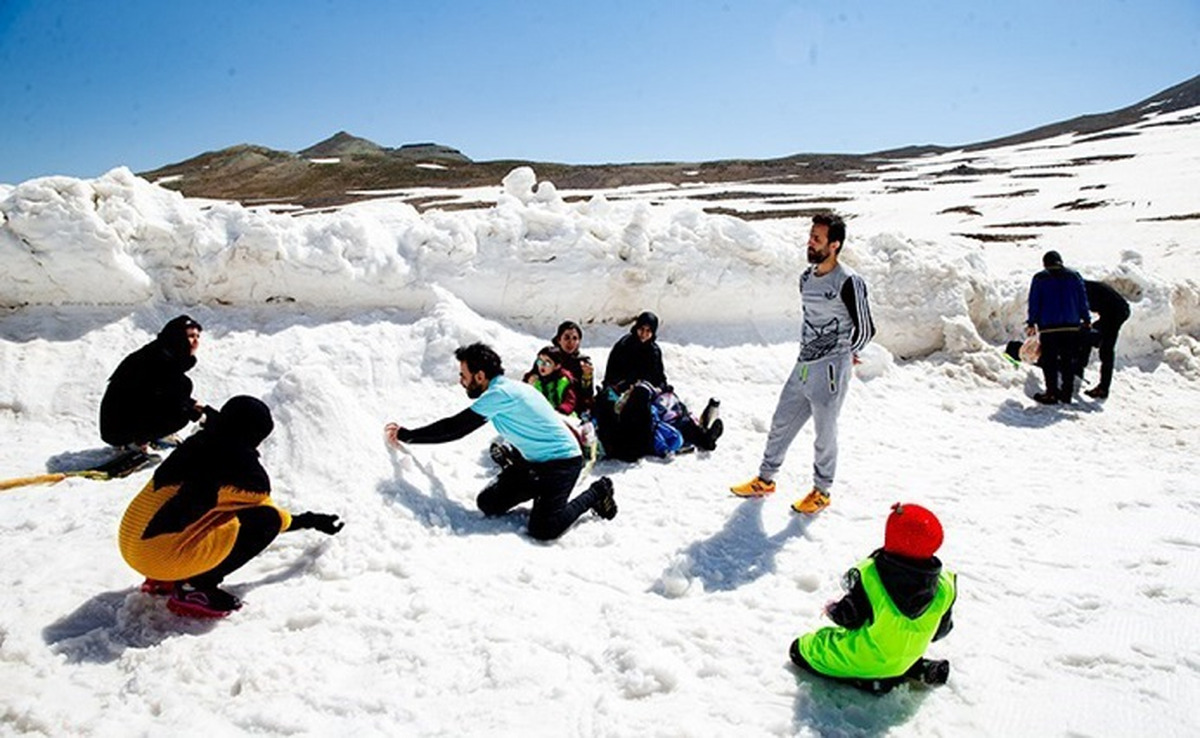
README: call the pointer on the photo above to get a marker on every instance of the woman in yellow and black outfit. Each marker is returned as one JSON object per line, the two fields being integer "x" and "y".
{"x": 208, "y": 511}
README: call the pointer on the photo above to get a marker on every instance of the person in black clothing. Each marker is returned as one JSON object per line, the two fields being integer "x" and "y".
{"x": 636, "y": 357}
{"x": 1113, "y": 311}
{"x": 623, "y": 418}
{"x": 208, "y": 511}
{"x": 625, "y": 423}
{"x": 149, "y": 396}
{"x": 634, "y": 379}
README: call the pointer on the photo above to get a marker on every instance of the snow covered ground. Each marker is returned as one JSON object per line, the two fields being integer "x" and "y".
{"x": 1074, "y": 530}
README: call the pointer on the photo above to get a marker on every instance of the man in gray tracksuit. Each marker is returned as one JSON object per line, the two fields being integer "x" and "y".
{"x": 836, "y": 325}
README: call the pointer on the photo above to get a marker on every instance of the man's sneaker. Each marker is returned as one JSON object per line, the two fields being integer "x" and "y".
{"x": 1096, "y": 393}
{"x": 757, "y": 487}
{"x": 815, "y": 502}
{"x": 210, "y": 602}
{"x": 503, "y": 454}
{"x": 157, "y": 587}
{"x": 604, "y": 506}
{"x": 1046, "y": 398}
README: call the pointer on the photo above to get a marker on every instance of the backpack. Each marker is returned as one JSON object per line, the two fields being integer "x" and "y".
{"x": 667, "y": 438}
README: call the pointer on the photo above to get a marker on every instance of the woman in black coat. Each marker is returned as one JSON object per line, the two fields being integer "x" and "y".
{"x": 636, "y": 357}
{"x": 149, "y": 396}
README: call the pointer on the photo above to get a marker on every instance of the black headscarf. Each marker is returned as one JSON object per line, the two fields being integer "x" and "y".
{"x": 173, "y": 340}
{"x": 648, "y": 319}
{"x": 632, "y": 360}
{"x": 223, "y": 454}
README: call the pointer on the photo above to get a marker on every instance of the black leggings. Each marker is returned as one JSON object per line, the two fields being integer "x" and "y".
{"x": 549, "y": 485}
{"x": 258, "y": 526}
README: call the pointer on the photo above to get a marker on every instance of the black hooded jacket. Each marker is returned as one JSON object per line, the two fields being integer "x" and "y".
{"x": 1105, "y": 301}
{"x": 910, "y": 583}
{"x": 632, "y": 360}
{"x": 223, "y": 454}
{"x": 149, "y": 396}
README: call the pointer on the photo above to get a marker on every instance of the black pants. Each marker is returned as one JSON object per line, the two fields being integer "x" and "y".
{"x": 549, "y": 485}
{"x": 628, "y": 435}
{"x": 1108, "y": 331}
{"x": 258, "y": 526}
{"x": 1060, "y": 356}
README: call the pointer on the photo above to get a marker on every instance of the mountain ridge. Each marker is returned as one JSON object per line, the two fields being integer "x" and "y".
{"x": 345, "y": 168}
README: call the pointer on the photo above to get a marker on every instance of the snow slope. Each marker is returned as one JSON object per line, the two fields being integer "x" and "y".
{"x": 1074, "y": 531}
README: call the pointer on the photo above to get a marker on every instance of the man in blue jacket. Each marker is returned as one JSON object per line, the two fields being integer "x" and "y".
{"x": 1058, "y": 314}
{"x": 551, "y": 456}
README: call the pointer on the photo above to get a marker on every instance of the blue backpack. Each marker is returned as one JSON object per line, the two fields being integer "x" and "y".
{"x": 667, "y": 438}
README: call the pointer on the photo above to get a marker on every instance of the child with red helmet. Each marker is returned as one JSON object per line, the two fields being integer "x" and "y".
{"x": 898, "y": 600}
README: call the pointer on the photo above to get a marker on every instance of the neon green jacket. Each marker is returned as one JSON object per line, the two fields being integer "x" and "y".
{"x": 888, "y": 644}
{"x": 558, "y": 389}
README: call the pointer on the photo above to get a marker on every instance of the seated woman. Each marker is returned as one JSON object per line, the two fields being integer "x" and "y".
{"x": 567, "y": 339}
{"x": 554, "y": 382}
{"x": 636, "y": 397}
{"x": 207, "y": 511}
{"x": 636, "y": 357}
{"x": 149, "y": 396}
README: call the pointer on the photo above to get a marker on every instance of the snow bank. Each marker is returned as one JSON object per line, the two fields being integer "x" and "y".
{"x": 532, "y": 258}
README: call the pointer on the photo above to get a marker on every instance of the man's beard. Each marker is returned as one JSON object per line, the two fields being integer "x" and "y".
{"x": 816, "y": 257}
{"x": 474, "y": 391}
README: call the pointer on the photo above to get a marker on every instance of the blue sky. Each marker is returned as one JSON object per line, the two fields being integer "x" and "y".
{"x": 89, "y": 84}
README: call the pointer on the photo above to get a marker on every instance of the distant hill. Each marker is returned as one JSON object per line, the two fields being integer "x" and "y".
{"x": 342, "y": 144}
{"x": 345, "y": 168}
{"x": 1180, "y": 97}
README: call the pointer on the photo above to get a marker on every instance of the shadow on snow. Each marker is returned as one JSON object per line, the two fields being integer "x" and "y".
{"x": 831, "y": 709}
{"x": 738, "y": 554}
{"x": 104, "y": 627}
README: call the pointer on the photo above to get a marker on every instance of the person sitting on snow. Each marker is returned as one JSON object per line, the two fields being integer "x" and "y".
{"x": 898, "y": 601}
{"x": 553, "y": 381}
{"x": 207, "y": 511}
{"x": 149, "y": 396}
{"x": 549, "y": 459}
{"x": 567, "y": 339}
{"x": 636, "y": 399}
{"x": 636, "y": 357}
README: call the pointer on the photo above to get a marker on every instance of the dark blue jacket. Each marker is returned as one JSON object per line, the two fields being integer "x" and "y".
{"x": 1057, "y": 299}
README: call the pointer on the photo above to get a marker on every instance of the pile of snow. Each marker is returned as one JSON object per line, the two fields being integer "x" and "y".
{"x": 534, "y": 257}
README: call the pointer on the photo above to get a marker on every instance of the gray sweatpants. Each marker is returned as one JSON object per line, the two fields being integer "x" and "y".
{"x": 815, "y": 389}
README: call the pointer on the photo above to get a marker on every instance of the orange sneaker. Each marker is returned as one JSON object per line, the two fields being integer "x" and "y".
{"x": 757, "y": 487}
{"x": 815, "y": 502}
